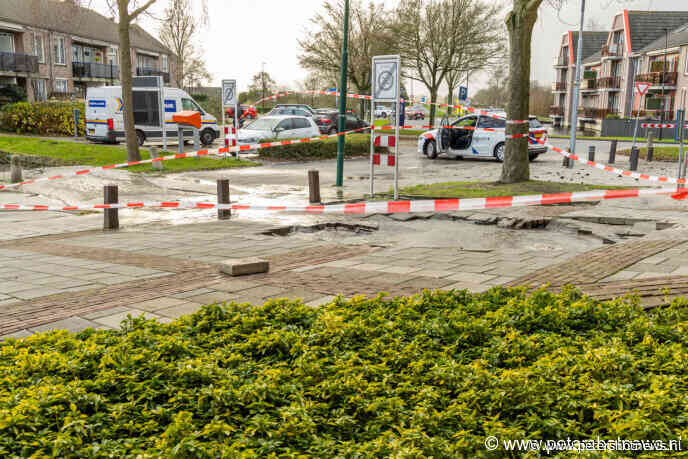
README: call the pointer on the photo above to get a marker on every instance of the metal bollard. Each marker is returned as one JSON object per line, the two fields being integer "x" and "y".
{"x": 110, "y": 216}
{"x": 157, "y": 165}
{"x": 634, "y": 158}
{"x": 16, "y": 174}
{"x": 223, "y": 198}
{"x": 77, "y": 115}
{"x": 313, "y": 187}
{"x": 650, "y": 145}
{"x": 180, "y": 137}
{"x": 565, "y": 162}
{"x": 591, "y": 153}
{"x": 612, "y": 151}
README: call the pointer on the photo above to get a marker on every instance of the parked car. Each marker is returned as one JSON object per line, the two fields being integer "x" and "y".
{"x": 459, "y": 143}
{"x": 328, "y": 122}
{"x": 382, "y": 112}
{"x": 415, "y": 113}
{"x": 278, "y": 127}
{"x": 245, "y": 112}
{"x": 291, "y": 109}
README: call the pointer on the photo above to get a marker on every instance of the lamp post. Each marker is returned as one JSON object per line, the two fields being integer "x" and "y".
{"x": 664, "y": 107}
{"x": 576, "y": 88}
{"x": 342, "y": 99}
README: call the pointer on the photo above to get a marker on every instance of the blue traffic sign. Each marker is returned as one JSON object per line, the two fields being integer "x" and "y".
{"x": 463, "y": 93}
{"x": 331, "y": 90}
{"x": 422, "y": 100}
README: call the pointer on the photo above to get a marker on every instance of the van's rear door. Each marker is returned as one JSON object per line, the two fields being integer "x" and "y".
{"x": 98, "y": 111}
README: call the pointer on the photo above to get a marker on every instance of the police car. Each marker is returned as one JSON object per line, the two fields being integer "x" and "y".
{"x": 460, "y": 143}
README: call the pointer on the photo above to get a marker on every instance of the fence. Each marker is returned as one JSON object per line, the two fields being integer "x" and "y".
{"x": 625, "y": 128}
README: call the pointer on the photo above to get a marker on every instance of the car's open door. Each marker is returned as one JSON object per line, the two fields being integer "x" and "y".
{"x": 444, "y": 135}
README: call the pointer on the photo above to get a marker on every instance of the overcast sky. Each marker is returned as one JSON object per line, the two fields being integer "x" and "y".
{"x": 243, "y": 34}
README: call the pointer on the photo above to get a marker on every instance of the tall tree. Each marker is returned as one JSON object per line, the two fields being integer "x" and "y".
{"x": 437, "y": 37}
{"x": 519, "y": 24}
{"x": 128, "y": 11}
{"x": 177, "y": 32}
{"x": 369, "y": 35}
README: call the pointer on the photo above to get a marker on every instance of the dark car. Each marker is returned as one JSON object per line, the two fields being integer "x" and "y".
{"x": 328, "y": 122}
{"x": 245, "y": 112}
{"x": 415, "y": 113}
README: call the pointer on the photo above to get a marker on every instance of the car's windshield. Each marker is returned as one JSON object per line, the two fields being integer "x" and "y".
{"x": 263, "y": 124}
{"x": 534, "y": 123}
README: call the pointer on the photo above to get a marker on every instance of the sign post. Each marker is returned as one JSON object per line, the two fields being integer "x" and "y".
{"x": 387, "y": 88}
{"x": 641, "y": 88}
{"x": 229, "y": 99}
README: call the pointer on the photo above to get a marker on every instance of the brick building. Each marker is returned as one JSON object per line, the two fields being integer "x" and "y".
{"x": 53, "y": 48}
{"x": 635, "y": 49}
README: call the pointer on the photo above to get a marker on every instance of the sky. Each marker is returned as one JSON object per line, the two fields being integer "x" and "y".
{"x": 244, "y": 34}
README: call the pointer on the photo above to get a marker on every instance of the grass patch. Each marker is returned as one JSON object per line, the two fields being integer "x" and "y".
{"x": 660, "y": 154}
{"x": 73, "y": 153}
{"x": 620, "y": 139}
{"x": 381, "y": 122}
{"x": 493, "y": 189}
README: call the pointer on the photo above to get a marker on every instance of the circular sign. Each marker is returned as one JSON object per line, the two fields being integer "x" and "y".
{"x": 385, "y": 80}
{"x": 229, "y": 94}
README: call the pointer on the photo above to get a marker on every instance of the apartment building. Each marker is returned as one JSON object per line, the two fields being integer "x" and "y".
{"x": 55, "y": 49}
{"x": 633, "y": 50}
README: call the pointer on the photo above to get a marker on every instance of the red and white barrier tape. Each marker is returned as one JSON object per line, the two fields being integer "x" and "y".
{"x": 385, "y": 141}
{"x": 614, "y": 170}
{"x": 387, "y": 207}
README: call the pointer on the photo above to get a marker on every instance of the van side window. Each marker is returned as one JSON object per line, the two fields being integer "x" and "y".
{"x": 188, "y": 104}
{"x": 146, "y": 108}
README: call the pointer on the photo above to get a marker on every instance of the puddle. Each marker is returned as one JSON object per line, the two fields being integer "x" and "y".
{"x": 328, "y": 227}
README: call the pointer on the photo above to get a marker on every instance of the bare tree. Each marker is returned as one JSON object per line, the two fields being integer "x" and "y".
{"x": 369, "y": 35}
{"x": 438, "y": 37}
{"x": 177, "y": 32}
{"x": 195, "y": 73}
{"x": 519, "y": 23}
{"x": 128, "y": 11}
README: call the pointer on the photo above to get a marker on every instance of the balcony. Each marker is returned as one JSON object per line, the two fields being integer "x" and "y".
{"x": 611, "y": 83}
{"x": 589, "y": 85}
{"x": 142, "y": 71}
{"x": 561, "y": 61}
{"x": 93, "y": 70}
{"x": 591, "y": 113}
{"x": 19, "y": 63}
{"x": 556, "y": 111}
{"x": 559, "y": 86}
{"x": 613, "y": 51}
{"x": 658, "y": 79}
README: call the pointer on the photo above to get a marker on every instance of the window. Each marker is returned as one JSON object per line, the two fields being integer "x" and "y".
{"x": 60, "y": 50}
{"x": 113, "y": 56}
{"x": 492, "y": 123}
{"x": 164, "y": 63}
{"x": 6, "y": 42}
{"x": 38, "y": 47}
{"x": 299, "y": 112}
{"x": 469, "y": 121}
{"x": 146, "y": 108}
{"x": 301, "y": 123}
{"x": 39, "y": 93}
{"x": 286, "y": 125}
{"x": 61, "y": 86}
{"x": 188, "y": 104}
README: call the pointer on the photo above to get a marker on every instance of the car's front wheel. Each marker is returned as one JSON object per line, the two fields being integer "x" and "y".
{"x": 499, "y": 152}
{"x": 430, "y": 149}
{"x": 207, "y": 137}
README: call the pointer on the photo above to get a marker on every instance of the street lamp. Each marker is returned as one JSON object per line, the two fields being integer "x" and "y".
{"x": 342, "y": 99}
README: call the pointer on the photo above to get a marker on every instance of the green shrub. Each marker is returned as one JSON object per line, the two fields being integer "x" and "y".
{"x": 612, "y": 116}
{"x": 356, "y": 145}
{"x": 45, "y": 118}
{"x": 11, "y": 95}
{"x": 424, "y": 376}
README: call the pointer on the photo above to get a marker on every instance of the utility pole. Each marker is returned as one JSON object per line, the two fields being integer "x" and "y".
{"x": 262, "y": 76}
{"x": 342, "y": 99}
{"x": 576, "y": 84}
{"x": 664, "y": 104}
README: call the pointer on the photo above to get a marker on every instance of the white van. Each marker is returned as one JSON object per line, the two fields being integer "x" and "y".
{"x": 105, "y": 121}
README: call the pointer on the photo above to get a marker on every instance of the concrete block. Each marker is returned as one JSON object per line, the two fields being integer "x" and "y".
{"x": 244, "y": 266}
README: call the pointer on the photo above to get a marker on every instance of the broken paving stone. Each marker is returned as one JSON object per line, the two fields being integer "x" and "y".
{"x": 507, "y": 223}
{"x": 483, "y": 219}
{"x": 644, "y": 227}
{"x": 244, "y": 266}
{"x": 402, "y": 217}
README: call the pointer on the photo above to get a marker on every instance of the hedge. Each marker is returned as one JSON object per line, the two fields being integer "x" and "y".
{"x": 44, "y": 118}
{"x": 356, "y": 145}
{"x": 423, "y": 376}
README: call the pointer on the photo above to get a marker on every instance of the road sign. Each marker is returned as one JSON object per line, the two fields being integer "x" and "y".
{"x": 463, "y": 93}
{"x": 331, "y": 89}
{"x": 642, "y": 88}
{"x": 229, "y": 94}
{"x": 422, "y": 100}
{"x": 386, "y": 78}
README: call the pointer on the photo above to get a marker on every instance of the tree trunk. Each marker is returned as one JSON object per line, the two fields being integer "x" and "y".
{"x": 519, "y": 23}
{"x": 450, "y": 97}
{"x": 126, "y": 80}
{"x": 433, "y": 107}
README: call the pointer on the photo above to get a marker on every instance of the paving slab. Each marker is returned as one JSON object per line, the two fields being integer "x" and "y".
{"x": 115, "y": 320}
{"x": 321, "y": 301}
{"x": 72, "y": 324}
{"x": 158, "y": 303}
{"x": 180, "y": 310}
